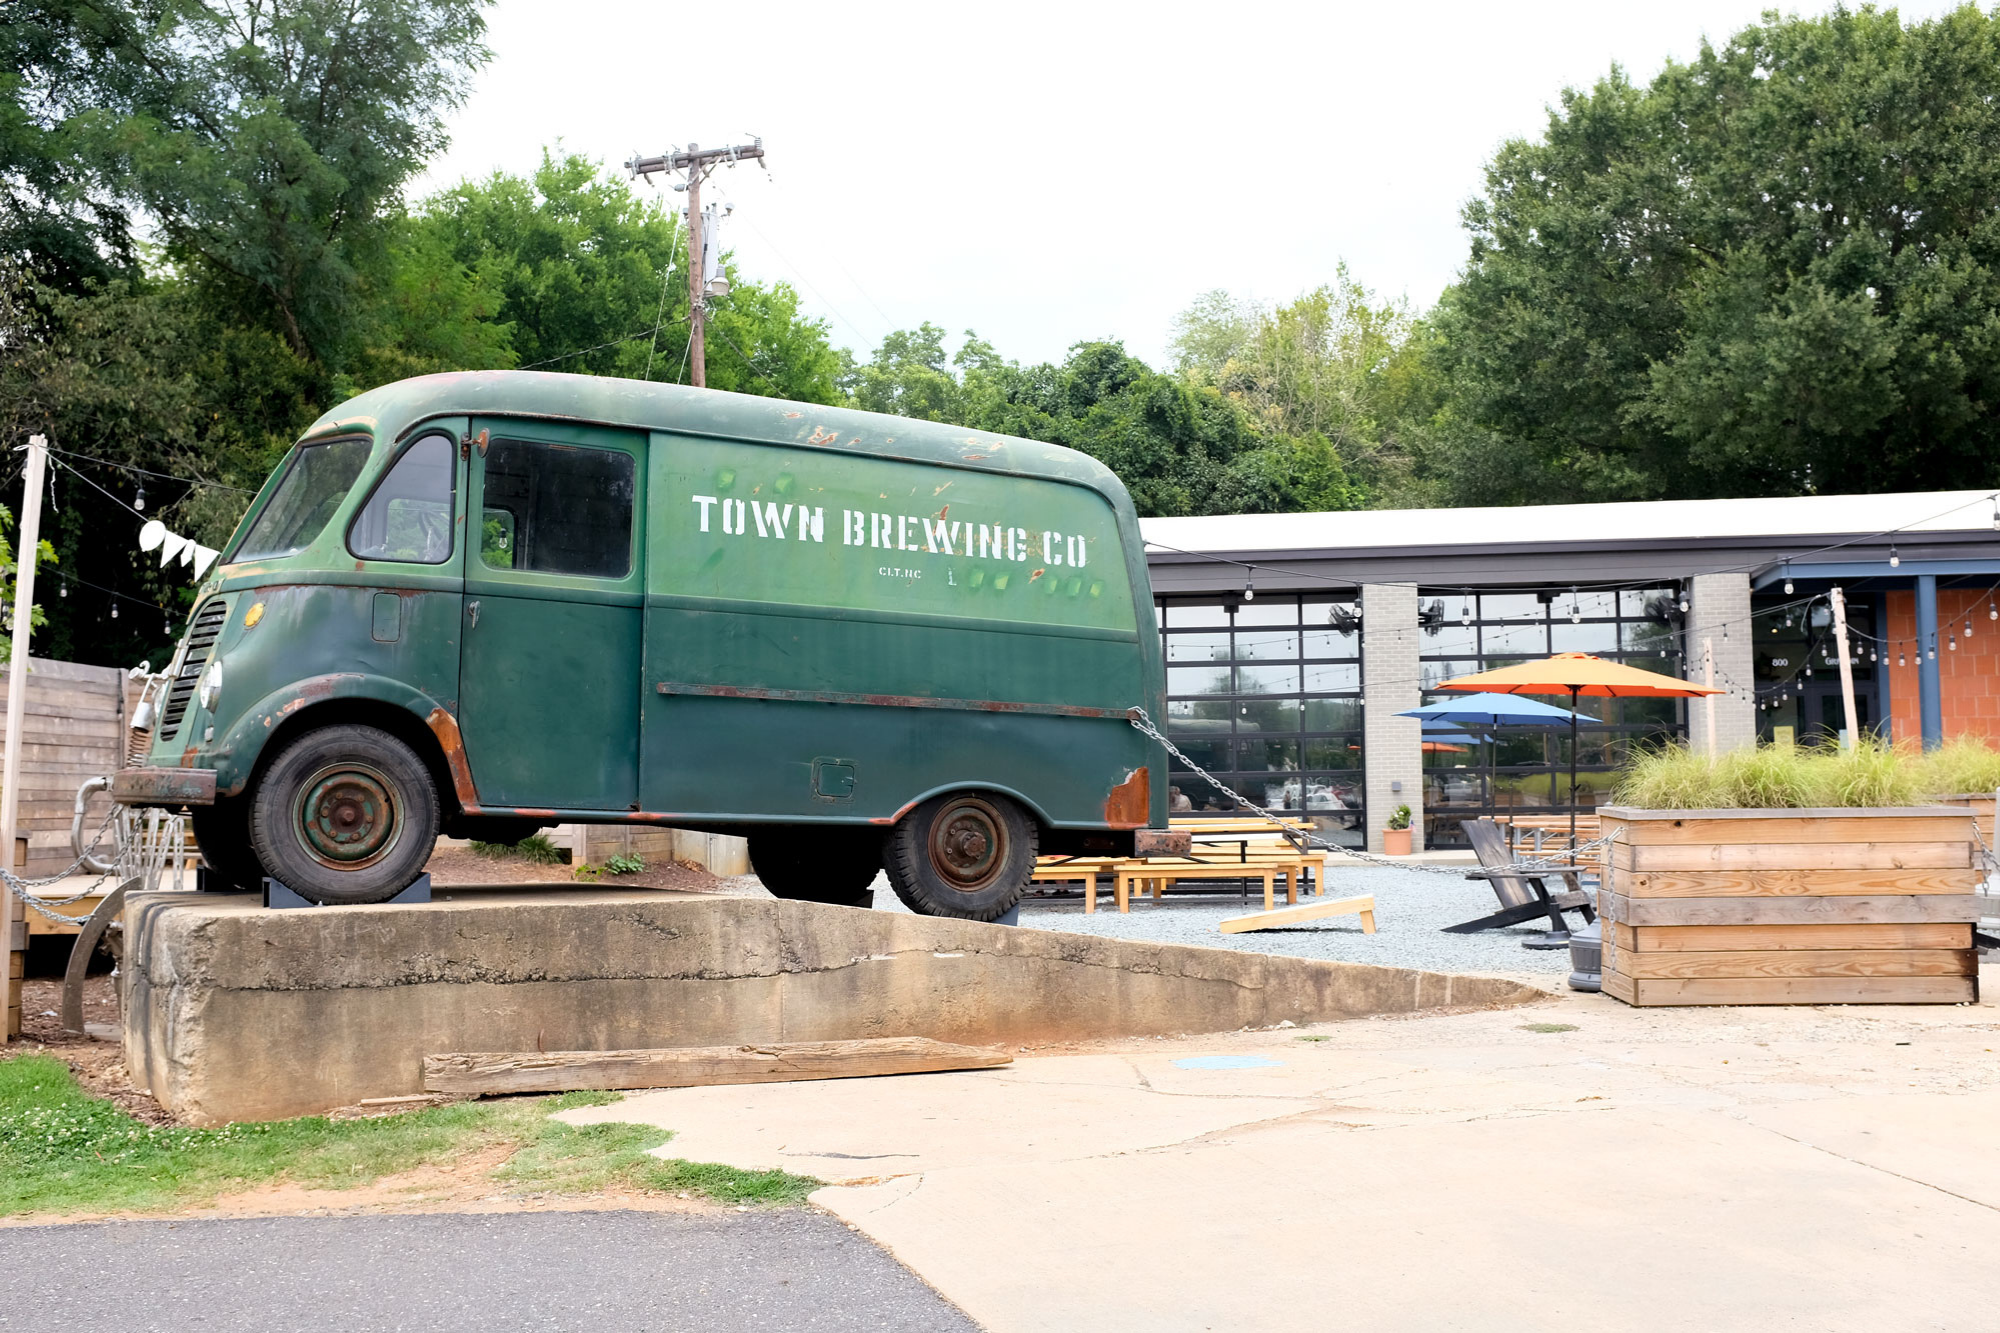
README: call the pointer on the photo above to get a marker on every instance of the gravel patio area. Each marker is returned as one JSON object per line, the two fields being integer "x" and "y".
{"x": 1411, "y": 910}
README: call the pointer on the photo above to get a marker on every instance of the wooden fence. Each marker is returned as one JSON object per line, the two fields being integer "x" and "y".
{"x": 75, "y": 729}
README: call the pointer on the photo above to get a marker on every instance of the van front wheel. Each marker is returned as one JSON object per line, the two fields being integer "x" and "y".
{"x": 345, "y": 814}
{"x": 966, "y": 854}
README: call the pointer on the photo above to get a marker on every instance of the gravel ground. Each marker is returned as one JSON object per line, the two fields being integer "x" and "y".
{"x": 1411, "y": 910}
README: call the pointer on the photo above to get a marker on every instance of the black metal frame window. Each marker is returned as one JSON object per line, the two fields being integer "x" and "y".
{"x": 1523, "y": 771}
{"x": 1797, "y": 669}
{"x": 1266, "y": 695}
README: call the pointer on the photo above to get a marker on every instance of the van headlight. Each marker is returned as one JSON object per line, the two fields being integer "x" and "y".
{"x": 210, "y": 687}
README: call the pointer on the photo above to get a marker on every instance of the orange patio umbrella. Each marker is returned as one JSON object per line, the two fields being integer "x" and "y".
{"x": 1577, "y": 674}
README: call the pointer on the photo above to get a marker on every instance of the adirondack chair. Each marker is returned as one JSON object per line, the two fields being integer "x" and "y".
{"x": 1522, "y": 893}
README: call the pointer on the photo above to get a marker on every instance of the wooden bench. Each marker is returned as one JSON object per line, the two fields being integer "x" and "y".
{"x": 1548, "y": 835}
{"x": 1261, "y": 859}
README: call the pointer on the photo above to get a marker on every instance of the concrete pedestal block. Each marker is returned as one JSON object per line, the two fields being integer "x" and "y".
{"x": 236, "y": 1012}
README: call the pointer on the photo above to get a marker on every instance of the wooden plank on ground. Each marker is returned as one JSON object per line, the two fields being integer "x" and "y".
{"x": 1789, "y": 911}
{"x": 483, "y": 1073}
{"x": 1933, "y": 824}
{"x": 1801, "y": 990}
{"x": 1797, "y": 856}
{"x": 1792, "y": 883}
{"x": 1312, "y": 911}
{"x": 1802, "y": 963}
{"x": 1717, "y": 939}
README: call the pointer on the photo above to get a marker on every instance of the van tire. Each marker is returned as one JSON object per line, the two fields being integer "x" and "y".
{"x": 965, "y": 854}
{"x": 822, "y": 864}
{"x": 374, "y": 826}
{"x": 222, "y": 832}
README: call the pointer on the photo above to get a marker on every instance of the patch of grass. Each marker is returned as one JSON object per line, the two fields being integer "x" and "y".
{"x": 63, "y": 1150}
{"x": 1960, "y": 767}
{"x": 1773, "y": 777}
{"x": 535, "y": 849}
{"x": 1548, "y": 1027}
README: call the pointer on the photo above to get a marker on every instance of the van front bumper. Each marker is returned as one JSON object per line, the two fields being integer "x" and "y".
{"x": 169, "y": 788}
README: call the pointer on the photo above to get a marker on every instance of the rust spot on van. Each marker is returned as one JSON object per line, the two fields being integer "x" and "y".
{"x": 790, "y": 415}
{"x": 445, "y": 727}
{"x": 1130, "y": 800}
{"x": 1037, "y": 574}
{"x": 821, "y": 435}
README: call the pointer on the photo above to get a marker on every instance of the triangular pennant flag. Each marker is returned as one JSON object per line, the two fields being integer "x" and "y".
{"x": 187, "y": 552}
{"x": 171, "y": 545}
{"x": 204, "y": 556}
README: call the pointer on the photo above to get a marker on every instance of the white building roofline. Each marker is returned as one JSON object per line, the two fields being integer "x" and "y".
{"x": 1808, "y": 516}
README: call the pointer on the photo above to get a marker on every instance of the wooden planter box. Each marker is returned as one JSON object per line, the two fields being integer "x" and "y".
{"x": 1790, "y": 906}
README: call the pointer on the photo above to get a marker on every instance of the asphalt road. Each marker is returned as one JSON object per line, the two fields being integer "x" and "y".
{"x": 497, "y": 1271}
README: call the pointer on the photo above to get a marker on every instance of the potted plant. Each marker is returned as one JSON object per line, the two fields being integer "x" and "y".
{"x": 1396, "y": 833}
{"x": 1791, "y": 875}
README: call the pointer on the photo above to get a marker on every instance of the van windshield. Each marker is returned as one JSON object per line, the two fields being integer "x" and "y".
{"x": 315, "y": 482}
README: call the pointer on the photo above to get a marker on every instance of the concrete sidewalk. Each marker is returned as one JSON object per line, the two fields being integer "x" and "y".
{"x": 1829, "y": 1168}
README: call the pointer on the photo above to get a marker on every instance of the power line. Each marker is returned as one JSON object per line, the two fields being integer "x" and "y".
{"x": 615, "y": 342}
{"x": 164, "y": 476}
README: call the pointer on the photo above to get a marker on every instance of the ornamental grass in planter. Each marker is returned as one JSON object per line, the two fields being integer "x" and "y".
{"x": 1791, "y": 875}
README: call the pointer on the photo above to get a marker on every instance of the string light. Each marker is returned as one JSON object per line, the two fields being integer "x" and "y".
{"x": 1465, "y": 609}
{"x": 114, "y": 610}
{"x": 1894, "y": 559}
{"x": 1249, "y": 585}
{"x": 1788, "y": 578}
{"x": 1576, "y": 612}
{"x": 139, "y": 500}
{"x": 1952, "y": 643}
{"x": 1901, "y": 661}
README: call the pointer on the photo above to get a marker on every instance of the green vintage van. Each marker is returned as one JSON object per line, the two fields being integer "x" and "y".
{"x": 490, "y": 602}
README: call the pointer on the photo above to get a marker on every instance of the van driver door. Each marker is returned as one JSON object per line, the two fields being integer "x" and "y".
{"x": 554, "y": 595}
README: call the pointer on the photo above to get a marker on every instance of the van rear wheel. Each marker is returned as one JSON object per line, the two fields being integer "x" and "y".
{"x": 966, "y": 854}
{"x": 822, "y": 864}
{"x": 345, "y": 814}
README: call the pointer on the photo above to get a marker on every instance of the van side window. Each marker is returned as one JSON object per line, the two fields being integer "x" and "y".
{"x": 558, "y": 509}
{"x": 409, "y": 516}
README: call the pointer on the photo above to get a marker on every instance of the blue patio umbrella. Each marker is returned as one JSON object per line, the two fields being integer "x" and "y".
{"x": 1494, "y": 710}
{"x": 1491, "y": 710}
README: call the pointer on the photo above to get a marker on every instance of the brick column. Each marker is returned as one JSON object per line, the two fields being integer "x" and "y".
{"x": 1391, "y": 746}
{"x": 1716, "y": 600}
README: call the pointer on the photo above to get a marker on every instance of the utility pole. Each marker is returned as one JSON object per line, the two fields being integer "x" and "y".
{"x": 1846, "y": 668}
{"x": 13, "y": 914}
{"x": 697, "y": 162}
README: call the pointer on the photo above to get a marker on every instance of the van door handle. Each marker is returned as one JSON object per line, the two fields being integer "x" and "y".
{"x": 472, "y": 608}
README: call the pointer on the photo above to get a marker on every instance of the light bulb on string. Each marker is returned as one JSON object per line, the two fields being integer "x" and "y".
{"x": 1992, "y": 611}
{"x": 1900, "y": 659}
{"x": 114, "y": 610}
{"x": 1465, "y": 609}
{"x": 1952, "y": 643}
{"x": 1249, "y": 585}
{"x": 139, "y": 500}
{"x": 62, "y": 588}
{"x": 1788, "y": 579}
{"x": 1575, "y": 611}
{"x": 1894, "y": 559}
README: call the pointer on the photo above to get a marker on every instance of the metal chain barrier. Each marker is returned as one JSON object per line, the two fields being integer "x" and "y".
{"x": 1144, "y": 723}
{"x": 143, "y": 845}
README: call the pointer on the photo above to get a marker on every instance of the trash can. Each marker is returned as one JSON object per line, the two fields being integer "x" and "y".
{"x": 1586, "y": 957}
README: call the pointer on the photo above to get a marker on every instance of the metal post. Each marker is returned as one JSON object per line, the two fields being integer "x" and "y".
{"x": 1930, "y": 707}
{"x": 1708, "y": 679}
{"x": 13, "y": 914}
{"x": 1846, "y": 669}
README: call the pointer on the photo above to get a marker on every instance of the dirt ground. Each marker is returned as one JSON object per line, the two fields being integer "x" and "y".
{"x": 460, "y": 866}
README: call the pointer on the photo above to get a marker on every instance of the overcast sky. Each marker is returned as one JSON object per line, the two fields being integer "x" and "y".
{"x": 1047, "y": 173}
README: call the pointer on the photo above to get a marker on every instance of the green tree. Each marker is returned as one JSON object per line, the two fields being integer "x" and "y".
{"x": 589, "y": 279}
{"x": 1772, "y": 270}
{"x": 269, "y": 139}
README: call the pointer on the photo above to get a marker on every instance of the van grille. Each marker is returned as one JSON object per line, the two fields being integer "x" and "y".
{"x": 207, "y": 628}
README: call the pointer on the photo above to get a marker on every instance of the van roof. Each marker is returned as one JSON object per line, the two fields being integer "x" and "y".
{"x": 395, "y": 409}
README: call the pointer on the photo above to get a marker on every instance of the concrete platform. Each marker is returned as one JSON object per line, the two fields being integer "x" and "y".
{"x": 236, "y": 1012}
